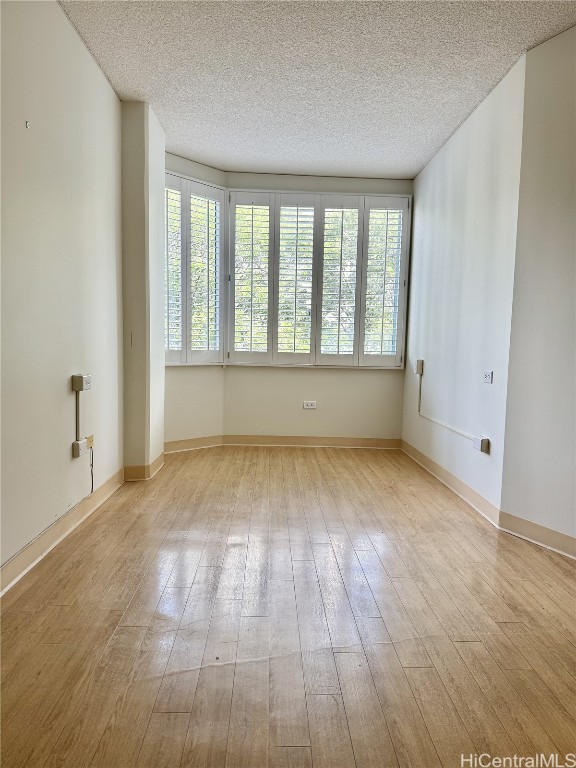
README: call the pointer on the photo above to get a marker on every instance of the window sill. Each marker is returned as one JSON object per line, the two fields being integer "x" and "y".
{"x": 288, "y": 365}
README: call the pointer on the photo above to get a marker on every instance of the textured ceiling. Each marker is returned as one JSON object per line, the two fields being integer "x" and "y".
{"x": 327, "y": 88}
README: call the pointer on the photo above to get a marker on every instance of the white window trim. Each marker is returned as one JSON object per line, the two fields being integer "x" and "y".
{"x": 227, "y": 356}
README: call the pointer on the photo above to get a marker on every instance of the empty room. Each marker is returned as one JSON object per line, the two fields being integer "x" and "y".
{"x": 288, "y": 384}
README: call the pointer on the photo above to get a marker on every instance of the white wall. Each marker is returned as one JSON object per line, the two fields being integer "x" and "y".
{"x": 540, "y": 460}
{"x": 464, "y": 239}
{"x": 61, "y": 262}
{"x": 247, "y": 400}
{"x": 351, "y": 403}
{"x": 143, "y": 283}
{"x": 156, "y": 266}
{"x": 251, "y": 400}
{"x": 194, "y": 404}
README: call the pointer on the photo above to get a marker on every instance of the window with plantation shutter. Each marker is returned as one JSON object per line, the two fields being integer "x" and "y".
{"x": 250, "y": 277}
{"x": 340, "y": 280}
{"x": 295, "y": 273}
{"x": 284, "y": 278}
{"x": 204, "y": 276}
{"x": 194, "y": 280}
{"x": 173, "y": 314}
{"x": 385, "y": 223}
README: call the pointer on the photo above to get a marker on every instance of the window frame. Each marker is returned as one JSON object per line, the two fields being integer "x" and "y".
{"x": 304, "y": 200}
{"x": 235, "y": 198}
{"x": 350, "y": 360}
{"x": 189, "y": 188}
{"x": 227, "y": 355}
{"x": 176, "y": 356}
{"x": 369, "y": 360}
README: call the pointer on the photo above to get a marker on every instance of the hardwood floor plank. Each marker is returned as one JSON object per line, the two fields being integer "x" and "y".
{"x": 329, "y": 735}
{"x": 523, "y": 728}
{"x": 391, "y": 608}
{"x": 445, "y": 609}
{"x": 544, "y": 661}
{"x": 371, "y": 740}
{"x": 201, "y": 597}
{"x": 421, "y": 614}
{"x": 170, "y": 609}
{"x": 207, "y": 736}
{"x": 412, "y": 653}
{"x": 444, "y": 725}
{"x": 320, "y": 676}
{"x": 180, "y": 677}
{"x": 503, "y": 651}
{"x": 360, "y": 595}
{"x": 82, "y": 733}
{"x": 480, "y": 720}
{"x": 290, "y": 757}
{"x": 248, "y": 732}
{"x": 553, "y": 718}
{"x": 122, "y": 737}
{"x": 410, "y": 737}
{"x": 337, "y": 609}
{"x": 43, "y": 704}
{"x": 288, "y": 715}
{"x": 164, "y": 741}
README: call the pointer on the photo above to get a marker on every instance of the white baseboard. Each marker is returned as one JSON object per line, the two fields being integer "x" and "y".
{"x": 144, "y": 472}
{"x": 504, "y": 521}
{"x": 281, "y": 440}
{"x": 20, "y": 563}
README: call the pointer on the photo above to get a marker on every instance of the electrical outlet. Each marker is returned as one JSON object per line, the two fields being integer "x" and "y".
{"x": 488, "y": 377}
{"x": 309, "y": 404}
{"x": 90, "y": 441}
{"x": 79, "y": 447}
{"x": 419, "y": 367}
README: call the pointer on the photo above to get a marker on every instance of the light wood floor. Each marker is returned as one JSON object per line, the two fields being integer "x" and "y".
{"x": 289, "y": 608}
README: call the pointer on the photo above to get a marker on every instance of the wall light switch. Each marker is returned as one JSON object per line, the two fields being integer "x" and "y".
{"x": 309, "y": 404}
{"x": 488, "y": 377}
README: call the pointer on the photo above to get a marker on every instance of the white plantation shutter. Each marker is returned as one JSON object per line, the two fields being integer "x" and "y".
{"x": 173, "y": 270}
{"x": 294, "y": 278}
{"x": 251, "y": 277}
{"x": 204, "y": 274}
{"x": 341, "y": 220}
{"x": 194, "y": 279}
{"x": 383, "y": 278}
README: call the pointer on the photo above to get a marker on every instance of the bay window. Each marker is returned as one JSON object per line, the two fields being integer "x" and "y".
{"x": 284, "y": 278}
